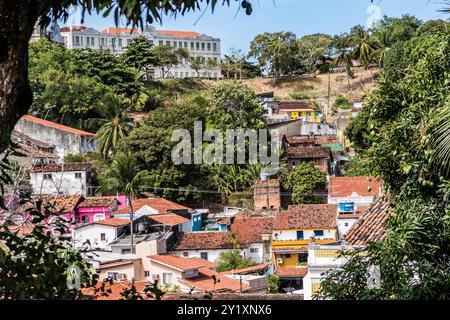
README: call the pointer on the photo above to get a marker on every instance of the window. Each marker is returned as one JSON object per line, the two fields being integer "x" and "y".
{"x": 167, "y": 278}
{"x": 116, "y": 276}
{"x": 167, "y": 43}
{"x": 120, "y": 43}
{"x": 76, "y": 40}
{"x": 300, "y": 235}
{"x": 203, "y": 46}
{"x": 77, "y": 175}
{"x": 175, "y": 44}
{"x": 208, "y": 46}
{"x": 180, "y": 44}
{"x": 185, "y": 44}
{"x": 102, "y": 237}
{"x": 204, "y": 255}
{"x": 197, "y": 45}
{"x": 47, "y": 176}
{"x": 146, "y": 274}
{"x": 129, "y": 41}
{"x": 346, "y": 224}
{"x": 254, "y": 250}
{"x": 214, "y": 46}
{"x": 318, "y": 233}
{"x": 303, "y": 257}
{"x": 99, "y": 217}
{"x": 285, "y": 255}
{"x": 161, "y": 43}
{"x": 125, "y": 251}
{"x": 185, "y": 254}
{"x": 84, "y": 219}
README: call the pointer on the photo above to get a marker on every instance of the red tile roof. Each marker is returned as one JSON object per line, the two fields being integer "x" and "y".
{"x": 308, "y": 152}
{"x": 371, "y": 226}
{"x": 59, "y": 203}
{"x": 57, "y": 126}
{"x": 207, "y": 240}
{"x": 116, "y": 289}
{"x": 117, "y": 263}
{"x": 56, "y": 167}
{"x": 170, "y": 219}
{"x": 178, "y": 34}
{"x": 113, "y": 222}
{"x": 307, "y": 216}
{"x": 205, "y": 282}
{"x": 346, "y": 186}
{"x": 296, "y": 105}
{"x": 180, "y": 263}
{"x": 97, "y": 202}
{"x": 250, "y": 230}
{"x": 251, "y": 269}
{"x": 160, "y": 204}
{"x": 292, "y": 272}
{"x": 119, "y": 30}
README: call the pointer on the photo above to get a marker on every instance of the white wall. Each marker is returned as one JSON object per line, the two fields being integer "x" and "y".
{"x": 344, "y": 225}
{"x": 287, "y": 235}
{"x": 92, "y": 232}
{"x": 64, "y": 182}
{"x": 356, "y": 198}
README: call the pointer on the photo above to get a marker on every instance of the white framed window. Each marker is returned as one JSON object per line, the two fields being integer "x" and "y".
{"x": 185, "y": 254}
{"x": 146, "y": 274}
{"x": 167, "y": 278}
{"x": 254, "y": 250}
{"x": 78, "y": 175}
{"x": 99, "y": 216}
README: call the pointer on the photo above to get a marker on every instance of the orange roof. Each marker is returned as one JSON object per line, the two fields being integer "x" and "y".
{"x": 204, "y": 240}
{"x": 170, "y": 219}
{"x": 205, "y": 282}
{"x": 292, "y": 272}
{"x": 160, "y": 204}
{"x": 248, "y": 269}
{"x": 307, "y": 216}
{"x": 178, "y": 34}
{"x": 119, "y": 30}
{"x": 179, "y": 263}
{"x": 117, "y": 288}
{"x": 57, "y": 126}
{"x": 250, "y": 230}
{"x": 113, "y": 222}
{"x": 345, "y": 186}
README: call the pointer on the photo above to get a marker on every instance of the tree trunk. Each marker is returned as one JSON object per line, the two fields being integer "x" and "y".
{"x": 16, "y": 27}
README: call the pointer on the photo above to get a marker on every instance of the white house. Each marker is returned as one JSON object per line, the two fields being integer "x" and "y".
{"x": 100, "y": 234}
{"x": 358, "y": 191}
{"x": 116, "y": 40}
{"x": 64, "y": 179}
{"x": 62, "y": 139}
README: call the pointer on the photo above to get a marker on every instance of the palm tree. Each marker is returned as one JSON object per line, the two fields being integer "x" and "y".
{"x": 123, "y": 176}
{"x": 362, "y": 45}
{"x": 342, "y": 45}
{"x": 383, "y": 44}
{"x": 439, "y": 132}
{"x": 114, "y": 123}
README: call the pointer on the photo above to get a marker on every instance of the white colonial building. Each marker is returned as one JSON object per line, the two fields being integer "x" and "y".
{"x": 116, "y": 40}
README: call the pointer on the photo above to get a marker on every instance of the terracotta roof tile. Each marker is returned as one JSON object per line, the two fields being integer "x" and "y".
{"x": 60, "y": 203}
{"x": 296, "y": 105}
{"x": 308, "y": 152}
{"x": 56, "y": 167}
{"x": 113, "y": 222}
{"x": 178, "y": 34}
{"x": 346, "y": 186}
{"x": 57, "y": 126}
{"x": 97, "y": 202}
{"x": 179, "y": 263}
{"x": 170, "y": 219}
{"x": 292, "y": 272}
{"x": 207, "y": 240}
{"x": 160, "y": 204}
{"x": 371, "y": 226}
{"x": 119, "y": 30}
{"x": 250, "y": 230}
{"x": 116, "y": 289}
{"x": 309, "y": 216}
{"x": 251, "y": 269}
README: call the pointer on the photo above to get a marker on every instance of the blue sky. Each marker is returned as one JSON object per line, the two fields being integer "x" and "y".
{"x": 299, "y": 16}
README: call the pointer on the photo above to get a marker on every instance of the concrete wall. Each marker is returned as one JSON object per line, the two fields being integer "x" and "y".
{"x": 64, "y": 142}
{"x": 343, "y": 225}
{"x": 61, "y": 182}
{"x": 132, "y": 271}
{"x": 213, "y": 255}
{"x": 92, "y": 232}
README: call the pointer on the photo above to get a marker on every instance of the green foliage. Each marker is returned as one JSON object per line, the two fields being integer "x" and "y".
{"x": 299, "y": 96}
{"x": 304, "y": 181}
{"x": 275, "y": 52}
{"x": 139, "y": 54}
{"x": 167, "y": 57}
{"x": 274, "y": 284}
{"x": 232, "y": 260}
{"x": 113, "y": 126}
{"x": 356, "y": 167}
{"x": 234, "y": 105}
{"x": 392, "y": 136}
{"x": 313, "y": 48}
{"x": 342, "y": 103}
{"x": 74, "y": 157}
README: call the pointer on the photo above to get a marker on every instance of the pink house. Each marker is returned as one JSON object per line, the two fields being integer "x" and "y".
{"x": 96, "y": 208}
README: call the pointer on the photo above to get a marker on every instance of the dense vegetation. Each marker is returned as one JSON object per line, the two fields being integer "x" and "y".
{"x": 397, "y": 134}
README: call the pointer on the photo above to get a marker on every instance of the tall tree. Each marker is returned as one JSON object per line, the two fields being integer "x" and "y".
{"x": 168, "y": 56}
{"x": 343, "y": 54}
{"x": 305, "y": 181}
{"x": 196, "y": 63}
{"x": 113, "y": 126}
{"x": 275, "y": 52}
{"x": 363, "y": 45}
{"x": 140, "y": 55}
{"x": 313, "y": 48}
{"x": 124, "y": 176}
